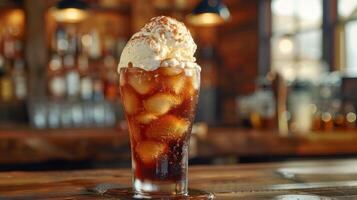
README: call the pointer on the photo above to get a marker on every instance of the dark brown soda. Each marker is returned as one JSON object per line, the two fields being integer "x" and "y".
{"x": 171, "y": 164}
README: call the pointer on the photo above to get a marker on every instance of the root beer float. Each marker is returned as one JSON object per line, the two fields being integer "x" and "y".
{"x": 159, "y": 85}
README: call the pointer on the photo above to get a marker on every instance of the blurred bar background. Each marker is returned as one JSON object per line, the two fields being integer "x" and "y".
{"x": 278, "y": 80}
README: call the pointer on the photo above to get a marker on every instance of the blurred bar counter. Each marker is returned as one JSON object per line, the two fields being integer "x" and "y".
{"x": 219, "y": 145}
{"x": 27, "y": 146}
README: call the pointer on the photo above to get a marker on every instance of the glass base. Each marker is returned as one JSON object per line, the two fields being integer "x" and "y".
{"x": 127, "y": 193}
{"x": 149, "y": 189}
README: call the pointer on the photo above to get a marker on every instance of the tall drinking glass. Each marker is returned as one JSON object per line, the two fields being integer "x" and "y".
{"x": 159, "y": 107}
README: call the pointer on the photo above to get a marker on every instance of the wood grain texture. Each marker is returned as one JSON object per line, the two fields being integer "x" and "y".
{"x": 297, "y": 180}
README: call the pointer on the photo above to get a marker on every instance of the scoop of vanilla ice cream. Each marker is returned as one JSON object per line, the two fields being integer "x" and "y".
{"x": 164, "y": 41}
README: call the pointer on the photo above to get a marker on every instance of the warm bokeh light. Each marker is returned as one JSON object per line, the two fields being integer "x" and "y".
{"x": 346, "y": 8}
{"x": 87, "y": 40}
{"x": 286, "y": 46}
{"x": 351, "y": 117}
{"x": 15, "y": 17}
{"x": 205, "y": 19}
{"x": 326, "y": 117}
{"x": 69, "y": 15}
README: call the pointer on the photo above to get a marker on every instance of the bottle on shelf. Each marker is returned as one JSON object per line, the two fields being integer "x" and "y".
{"x": 82, "y": 78}
{"x": 6, "y": 84}
{"x": 110, "y": 78}
{"x": 61, "y": 41}
{"x": 95, "y": 45}
{"x": 350, "y": 116}
{"x": 86, "y": 81}
{"x": 9, "y": 43}
{"x": 56, "y": 81}
{"x": 72, "y": 76}
{"x": 98, "y": 88}
{"x": 72, "y": 40}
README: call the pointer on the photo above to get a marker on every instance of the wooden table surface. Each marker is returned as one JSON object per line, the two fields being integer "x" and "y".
{"x": 333, "y": 179}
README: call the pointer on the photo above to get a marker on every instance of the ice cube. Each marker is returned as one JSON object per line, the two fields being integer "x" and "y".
{"x": 142, "y": 82}
{"x": 175, "y": 84}
{"x": 168, "y": 127}
{"x": 190, "y": 92}
{"x": 195, "y": 80}
{"x": 145, "y": 118}
{"x": 130, "y": 100}
{"x": 170, "y": 71}
{"x": 161, "y": 103}
{"x": 150, "y": 151}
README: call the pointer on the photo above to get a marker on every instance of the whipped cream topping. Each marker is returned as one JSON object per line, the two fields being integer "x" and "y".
{"x": 163, "y": 42}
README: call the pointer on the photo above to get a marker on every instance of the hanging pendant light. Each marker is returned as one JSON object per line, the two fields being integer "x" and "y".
{"x": 209, "y": 13}
{"x": 70, "y": 11}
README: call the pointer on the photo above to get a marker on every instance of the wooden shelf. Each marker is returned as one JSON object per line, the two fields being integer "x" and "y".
{"x": 33, "y": 146}
{"x": 241, "y": 142}
{"x": 25, "y": 145}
